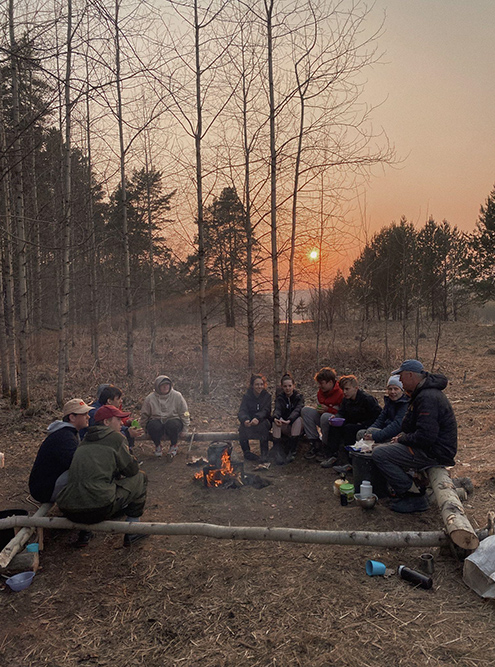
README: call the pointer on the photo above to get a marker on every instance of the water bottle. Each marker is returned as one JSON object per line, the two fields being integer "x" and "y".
{"x": 365, "y": 489}
{"x": 416, "y": 578}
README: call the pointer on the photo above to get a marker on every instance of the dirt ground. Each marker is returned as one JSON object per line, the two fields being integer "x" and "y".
{"x": 197, "y": 601}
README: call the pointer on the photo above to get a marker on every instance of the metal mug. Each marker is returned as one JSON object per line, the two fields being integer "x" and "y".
{"x": 427, "y": 563}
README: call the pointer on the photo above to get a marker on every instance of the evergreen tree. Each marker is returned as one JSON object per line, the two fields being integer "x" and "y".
{"x": 479, "y": 265}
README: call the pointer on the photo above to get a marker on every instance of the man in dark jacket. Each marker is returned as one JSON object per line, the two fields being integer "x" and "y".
{"x": 104, "y": 477}
{"x": 49, "y": 474}
{"x": 359, "y": 409}
{"x": 428, "y": 436}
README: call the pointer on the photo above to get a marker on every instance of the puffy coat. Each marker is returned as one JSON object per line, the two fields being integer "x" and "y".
{"x": 54, "y": 457}
{"x": 288, "y": 407}
{"x": 362, "y": 410}
{"x": 430, "y": 423}
{"x": 390, "y": 419}
{"x": 332, "y": 399}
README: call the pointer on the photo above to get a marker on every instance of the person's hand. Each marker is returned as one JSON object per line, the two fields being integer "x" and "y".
{"x": 285, "y": 421}
{"x": 278, "y": 422}
{"x": 135, "y": 431}
{"x": 255, "y": 421}
{"x": 321, "y": 408}
{"x": 247, "y": 423}
{"x": 368, "y": 436}
{"x": 395, "y": 438}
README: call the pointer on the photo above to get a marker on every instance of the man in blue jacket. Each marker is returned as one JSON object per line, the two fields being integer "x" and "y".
{"x": 428, "y": 436}
{"x": 389, "y": 421}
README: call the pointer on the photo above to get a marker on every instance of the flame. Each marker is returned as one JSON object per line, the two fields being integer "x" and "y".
{"x": 219, "y": 476}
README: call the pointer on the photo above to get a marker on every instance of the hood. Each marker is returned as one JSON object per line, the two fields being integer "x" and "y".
{"x": 97, "y": 432}
{"x": 432, "y": 381}
{"x": 59, "y": 424}
{"x": 159, "y": 380}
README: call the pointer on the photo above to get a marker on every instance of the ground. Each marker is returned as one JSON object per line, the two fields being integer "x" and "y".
{"x": 196, "y": 601}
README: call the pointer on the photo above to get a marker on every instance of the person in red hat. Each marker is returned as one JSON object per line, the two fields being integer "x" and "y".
{"x": 104, "y": 478}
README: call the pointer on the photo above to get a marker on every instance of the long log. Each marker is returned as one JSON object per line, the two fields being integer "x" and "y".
{"x": 200, "y": 437}
{"x": 456, "y": 522}
{"x": 302, "y": 535}
{"x": 18, "y": 542}
{"x": 22, "y": 563}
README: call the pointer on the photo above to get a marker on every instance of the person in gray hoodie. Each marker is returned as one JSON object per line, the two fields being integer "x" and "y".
{"x": 49, "y": 473}
{"x": 165, "y": 414}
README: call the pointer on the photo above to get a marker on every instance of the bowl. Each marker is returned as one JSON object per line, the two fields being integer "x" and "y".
{"x": 366, "y": 503}
{"x": 337, "y": 421}
{"x": 20, "y": 581}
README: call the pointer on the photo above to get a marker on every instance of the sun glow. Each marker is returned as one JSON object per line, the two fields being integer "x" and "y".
{"x": 313, "y": 254}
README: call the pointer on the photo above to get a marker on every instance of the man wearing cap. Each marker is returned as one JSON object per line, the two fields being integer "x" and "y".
{"x": 50, "y": 470}
{"x": 428, "y": 436}
{"x": 104, "y": 477}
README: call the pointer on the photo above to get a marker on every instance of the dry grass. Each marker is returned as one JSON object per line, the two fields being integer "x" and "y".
{"x": 193, "y": 601}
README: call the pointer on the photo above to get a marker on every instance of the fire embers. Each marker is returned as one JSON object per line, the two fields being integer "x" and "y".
{"x": 221, "y": 470}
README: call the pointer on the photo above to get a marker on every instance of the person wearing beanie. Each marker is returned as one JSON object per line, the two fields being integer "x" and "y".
{"x": 428, "y": 436}
{"x": 104, "y": 478}
{"x": 389, "y": 421}
{"x": 49, "y": 473}
{"x": 165, "y": 414}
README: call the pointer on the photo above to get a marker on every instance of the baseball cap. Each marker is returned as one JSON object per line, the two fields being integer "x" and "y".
{"x": 109, "y": 411}
{"x": 412, "y": 365}
{"x": 76, "y": 406}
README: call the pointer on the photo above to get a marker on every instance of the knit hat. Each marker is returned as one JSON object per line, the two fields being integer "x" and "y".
{"x": 394, "y": 381}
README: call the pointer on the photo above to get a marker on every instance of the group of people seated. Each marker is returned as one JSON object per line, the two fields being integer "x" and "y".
{"x": 86, "y": 465}
{"x": 415, "y": 430}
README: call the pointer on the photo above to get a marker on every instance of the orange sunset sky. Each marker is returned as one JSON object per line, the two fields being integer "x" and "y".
{"x": 436, "y": 82}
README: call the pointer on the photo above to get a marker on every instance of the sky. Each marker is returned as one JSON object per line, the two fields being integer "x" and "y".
{"x": 436, "y": 82}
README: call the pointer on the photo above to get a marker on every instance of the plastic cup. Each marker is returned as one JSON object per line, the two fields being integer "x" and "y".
{"x": 374, "y": 568}
{"x": 33, "y": 548}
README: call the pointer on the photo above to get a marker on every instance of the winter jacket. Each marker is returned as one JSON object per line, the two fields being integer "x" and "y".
{"x": 390, "y": 418}
{"x": 430, "y": 423}
{"x": 124, "y": 429}
{"x": 362, "y": 411}
{"x": 164, "y": 406}
{"x": 101, "y": 459}
{"x": 288, "y": 407}
{"x": 331, "y": 399}
{"x": 54, "y": 457}
{"x": 259, "y": 407}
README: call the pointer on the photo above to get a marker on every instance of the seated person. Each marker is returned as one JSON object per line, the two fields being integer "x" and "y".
{"x": 104, "y": 477}
{"x": 428, "y": 436}
{"x": 165, "y": 414}
{"x": 109, "y": 394}
{"x": 359, "y": 409}
{"x": 287, "y": 419}
{"x": 390, "y": 419}
{"x": 329, "y": 398}
{"x": 255, "y": 418}
{"x": 50, "y": 469}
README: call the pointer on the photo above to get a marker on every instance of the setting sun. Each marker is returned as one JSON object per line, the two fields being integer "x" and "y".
{"x": 313, "y": 254}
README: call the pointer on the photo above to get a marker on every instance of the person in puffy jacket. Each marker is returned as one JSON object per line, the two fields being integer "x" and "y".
{"x": 428, "y": 436}
{"x": 287, "y": 419}
{"x": 390, "y": 418}
{"x": 164, "y": 414}
{"x": 329, "y": 398}
{"x": 255, "y": 418}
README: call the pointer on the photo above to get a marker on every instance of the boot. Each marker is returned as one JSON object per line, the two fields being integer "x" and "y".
{"x": 278, "y": 452}
{"x": 248, "y": 454}
{"x": 314, "y": 446}
{"x": 264, "y": 450}
{"x": 293, "y": 442}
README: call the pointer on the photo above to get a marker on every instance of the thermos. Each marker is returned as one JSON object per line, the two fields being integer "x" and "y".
{"x": 416, "y": 578}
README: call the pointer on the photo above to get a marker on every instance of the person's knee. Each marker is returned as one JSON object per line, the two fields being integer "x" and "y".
{"x": 379, "y": 455}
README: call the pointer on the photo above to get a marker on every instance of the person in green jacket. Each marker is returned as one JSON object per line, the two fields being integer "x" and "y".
{"x": 104, "y": 477}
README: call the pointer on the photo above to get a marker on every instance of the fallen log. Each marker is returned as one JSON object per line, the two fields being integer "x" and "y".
{"x": 456, "y": 522}
{"x": 18, "y": 542}
{"x": 23, "y": 562}
{"x": 258, "y": 533}
{"x": 200, "y": 437}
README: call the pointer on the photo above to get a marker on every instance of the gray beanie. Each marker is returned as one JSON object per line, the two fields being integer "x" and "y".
{"x": 394, "y": 380}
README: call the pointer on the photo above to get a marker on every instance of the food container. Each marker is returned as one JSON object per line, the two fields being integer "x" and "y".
{"x": 337, "y": 421}
{"x": 337, "y": 484}
{"x": 365, "y": 490}
{"x": 20, "y": 581}
{"x": 366, "y": 503}
{"x": 348, "y": 490}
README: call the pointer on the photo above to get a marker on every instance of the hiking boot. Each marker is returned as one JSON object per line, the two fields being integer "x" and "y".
{"x": 83, "y": 539}
{"x": 343, "y": 469}
{"x": 132, "y": 538}
{"x": 250, "y": 456}
{"x": 328, "y": 463}
{"x": 173, "y": 450}
{"x": 158, "y": 450}
{"x": 313, "y": 450}
{"x": 410, "y": 504}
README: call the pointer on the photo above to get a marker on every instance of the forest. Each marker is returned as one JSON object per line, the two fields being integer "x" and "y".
{"x": 190, "y": 162}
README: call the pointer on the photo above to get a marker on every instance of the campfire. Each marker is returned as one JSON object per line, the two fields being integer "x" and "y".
{"x": 221, "y": 470}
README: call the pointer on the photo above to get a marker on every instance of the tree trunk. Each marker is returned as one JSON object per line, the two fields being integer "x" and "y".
{"x": 66, "y": 222}
{"x": 18, "y": 194}
{"x": 151, "y": 257}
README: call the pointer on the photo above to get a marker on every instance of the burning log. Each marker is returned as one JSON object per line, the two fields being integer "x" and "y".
{"x": 258, "y": 533}
{"x": 456, "y": 522}
{"x": 221, "y": 470}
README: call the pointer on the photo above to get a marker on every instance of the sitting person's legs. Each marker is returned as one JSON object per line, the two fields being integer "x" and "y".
{"x": 155, "y": 429}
